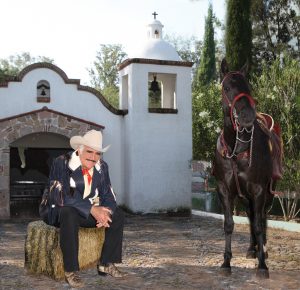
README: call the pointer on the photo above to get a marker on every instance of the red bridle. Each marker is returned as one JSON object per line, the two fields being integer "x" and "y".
{"x": 236, "y": 98}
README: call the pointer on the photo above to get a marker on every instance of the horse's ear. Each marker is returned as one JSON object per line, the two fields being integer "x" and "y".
{"x": 224, "y": 68}
{"x": 244, "y": 69}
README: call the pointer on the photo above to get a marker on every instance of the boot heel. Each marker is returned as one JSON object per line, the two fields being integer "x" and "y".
{"x": 102, "y": 273}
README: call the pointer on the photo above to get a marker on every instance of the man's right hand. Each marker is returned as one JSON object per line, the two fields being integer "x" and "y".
{"x": 102, "y": 215}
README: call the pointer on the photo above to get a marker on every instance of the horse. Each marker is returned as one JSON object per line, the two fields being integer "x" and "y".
{"x": 244, "y": 165}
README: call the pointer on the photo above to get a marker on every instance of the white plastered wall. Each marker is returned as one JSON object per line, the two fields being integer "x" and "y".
{"x": 158, "y": 147}
{"x": 20, "y": 97}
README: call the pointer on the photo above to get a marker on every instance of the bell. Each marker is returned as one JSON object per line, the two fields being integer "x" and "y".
{"x": 43, "y": 93}
{"x": 154, "y": 85}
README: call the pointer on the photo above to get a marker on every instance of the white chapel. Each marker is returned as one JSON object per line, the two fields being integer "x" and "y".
{"x": 150, "y": 133}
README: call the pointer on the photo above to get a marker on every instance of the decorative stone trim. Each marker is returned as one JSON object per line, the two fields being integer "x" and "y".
{"x": 43, "y": 99}
{"x": 162, "y": 111}
{"x": 45, "y": 109}
{"x": 154, "y": 61}
{"x": 63, "y": 75}
{"x": 103, "y": 100}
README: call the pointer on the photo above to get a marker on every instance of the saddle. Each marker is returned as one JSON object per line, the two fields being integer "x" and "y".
{"x": 267, "y": 124}
{"x": 272, "y": 129}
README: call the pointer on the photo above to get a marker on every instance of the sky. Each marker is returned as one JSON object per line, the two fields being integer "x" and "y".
{"x": 71, "y": 31}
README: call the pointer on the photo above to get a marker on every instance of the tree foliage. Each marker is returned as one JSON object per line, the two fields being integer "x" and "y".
{"x": 15, "y": 63}
{"x": 238, "y": 33}
{"x": 276, "y": 28}
{"x": 104, "y": 73}
{"x": 187, "y": 48}
{"x": 207, "y": 120}
{"x": 206, "y": 106}
{"x": 2, "y": 75}
{"x": 277, "y": 90}
{"x": 207, "y": 69}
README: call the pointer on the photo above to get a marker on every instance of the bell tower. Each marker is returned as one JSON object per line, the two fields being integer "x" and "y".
{"x": 155, "y": 88}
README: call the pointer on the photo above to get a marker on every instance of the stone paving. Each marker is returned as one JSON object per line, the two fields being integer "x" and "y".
{"x": 164, "y": 252}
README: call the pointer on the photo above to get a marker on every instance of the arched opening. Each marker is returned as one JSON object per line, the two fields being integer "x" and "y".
{"x": 29, "y": 141}
{"x": 43, "y": 91}
{"x": 162, "y": 91}
{"x": 31, "y": 157}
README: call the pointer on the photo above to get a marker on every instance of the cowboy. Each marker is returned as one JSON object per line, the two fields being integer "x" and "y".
{"x": 89, "y": 201}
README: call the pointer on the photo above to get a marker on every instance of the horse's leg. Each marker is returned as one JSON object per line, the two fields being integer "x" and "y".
{"x": 228, "y": 227}
{"x": 260, "y": 233}
{"x": 265, "y": 236}
{"x": 268, "y": 206}
{"x": 251, "y": 252}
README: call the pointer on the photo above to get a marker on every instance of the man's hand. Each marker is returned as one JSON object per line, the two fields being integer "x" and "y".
{"x": 102, "y": 215}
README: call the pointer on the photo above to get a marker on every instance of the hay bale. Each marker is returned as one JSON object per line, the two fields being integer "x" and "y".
{"x": 43, "y": 254}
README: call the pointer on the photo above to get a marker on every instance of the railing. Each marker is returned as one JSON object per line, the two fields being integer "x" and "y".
{"x": 26, "y": 190}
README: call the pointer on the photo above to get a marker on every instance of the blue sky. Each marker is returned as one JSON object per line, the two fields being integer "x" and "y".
{"x": 71, "y": 31}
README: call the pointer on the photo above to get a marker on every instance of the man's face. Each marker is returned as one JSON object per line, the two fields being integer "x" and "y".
{"x": 89, "y": 157}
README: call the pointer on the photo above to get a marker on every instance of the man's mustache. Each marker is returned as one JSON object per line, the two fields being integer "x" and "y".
{"x": 91, "y": 160}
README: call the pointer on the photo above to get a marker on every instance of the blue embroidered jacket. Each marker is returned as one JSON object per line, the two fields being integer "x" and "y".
{"x": 67, "y": 170}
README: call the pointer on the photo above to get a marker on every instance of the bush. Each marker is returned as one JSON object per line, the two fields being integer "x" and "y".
{"x": 277, "y": 90}
{"x": 207, "y": 119}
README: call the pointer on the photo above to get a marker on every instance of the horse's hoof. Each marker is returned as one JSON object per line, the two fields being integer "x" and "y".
{"x": 262, "y": 273}
{"x": 251, "y": 254}
{"x": 225, "y": 271}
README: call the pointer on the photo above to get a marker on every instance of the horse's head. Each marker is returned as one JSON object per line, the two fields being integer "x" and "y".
{"x": 237, "y": 100}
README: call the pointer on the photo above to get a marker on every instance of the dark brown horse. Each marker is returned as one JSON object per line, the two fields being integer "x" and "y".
{"x": 243, "y": 166}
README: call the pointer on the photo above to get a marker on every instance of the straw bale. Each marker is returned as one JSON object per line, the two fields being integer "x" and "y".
{"x": 43, "y": 254}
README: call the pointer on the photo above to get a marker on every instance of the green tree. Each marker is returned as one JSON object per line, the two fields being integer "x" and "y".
{"x": 207, "y": 69}
{"x": 2, "y": 75}
{"x": 277, "y": 90}
{"x": 187, "y": 48}
{"x": 104, "y": 73}
{"x": 15, "y": 63}
{"x": 238, "y": 33}
{"x": 207, "y": 121}
{"x": 276, "y": 28}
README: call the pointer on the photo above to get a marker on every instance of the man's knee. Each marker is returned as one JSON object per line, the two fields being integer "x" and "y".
{"x": 118, "y": 217}
{"x": 68, "y": 214}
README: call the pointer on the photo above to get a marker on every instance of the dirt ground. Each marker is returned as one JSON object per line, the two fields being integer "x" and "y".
{"x": 163, "y": 252}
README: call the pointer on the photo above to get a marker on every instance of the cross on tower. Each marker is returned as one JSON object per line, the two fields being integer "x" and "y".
{"x": 154, "y": 14}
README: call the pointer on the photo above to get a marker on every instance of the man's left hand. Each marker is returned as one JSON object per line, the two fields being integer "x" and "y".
{"x": 102, "y": 215}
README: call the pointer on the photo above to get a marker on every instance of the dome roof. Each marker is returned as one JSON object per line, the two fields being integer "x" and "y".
{"x": 155, "y": 47}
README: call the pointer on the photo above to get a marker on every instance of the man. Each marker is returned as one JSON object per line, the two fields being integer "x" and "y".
{"x": 89, "y": 201}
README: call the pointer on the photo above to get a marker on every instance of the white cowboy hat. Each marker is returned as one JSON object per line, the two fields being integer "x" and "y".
{"x": 92, "y": 139}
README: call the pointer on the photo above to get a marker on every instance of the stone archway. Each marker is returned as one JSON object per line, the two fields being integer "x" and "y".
{"x": 16, "y": 127}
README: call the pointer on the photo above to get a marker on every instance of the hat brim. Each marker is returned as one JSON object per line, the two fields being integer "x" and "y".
{"x": 76, "y": 141}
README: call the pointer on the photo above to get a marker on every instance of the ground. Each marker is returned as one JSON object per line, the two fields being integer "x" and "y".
{"x": 163, "y": 252}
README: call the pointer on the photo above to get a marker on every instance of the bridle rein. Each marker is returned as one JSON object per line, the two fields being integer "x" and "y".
{"x": 231, "y": 105}
{"x": 235, "y": 122}
{"x": 236, "y": 126}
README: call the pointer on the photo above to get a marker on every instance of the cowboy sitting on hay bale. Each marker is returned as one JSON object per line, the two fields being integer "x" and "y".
{"x": 88, "y": 201}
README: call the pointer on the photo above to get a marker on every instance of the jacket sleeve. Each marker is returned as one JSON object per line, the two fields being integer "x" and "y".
{"x": 107, "y": 195}
{"x": 58, "y": 172}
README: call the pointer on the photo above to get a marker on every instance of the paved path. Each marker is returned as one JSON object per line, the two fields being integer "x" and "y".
{"x": 167, "y": 253}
